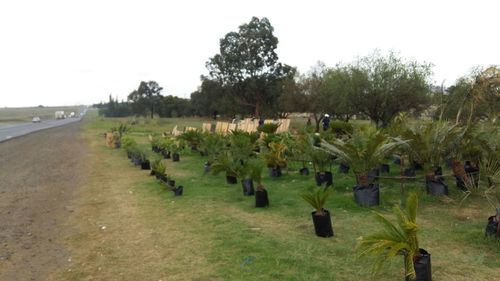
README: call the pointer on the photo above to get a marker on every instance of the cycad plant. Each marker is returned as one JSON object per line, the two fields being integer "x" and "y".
{"x": 430, "y": 143}
{"x": 211, "y": 145}
{"x": 192, "y": 137}
{"x": 275, "y": 157}
{"x": 158, "y": 168}
{"x": 253, "y": 168}
{"x": 225, "y": 162}
{"x": 365, "y": 150}
{"x": 396, "y": 238}
{"x": 317, "y": 197}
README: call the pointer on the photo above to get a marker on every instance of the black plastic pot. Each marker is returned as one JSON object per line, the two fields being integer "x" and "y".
{"x": 145, "y": 165}
{"x": 322, "y": 224}
{"x": 231, "y": 180}
{"x": 438, "y": 171}
{"x": 304, "y": 171}
{"x": 162, "y": 178}
{"x": 367, "y": 196}
{"x": 417, "y": 166}
{"x": 178, "y": 190}
{"x": 409, "y": 172}
{"x": 171, "y": 183}
{"x": 176, "y": 157}
{"x": 324, "y": 178}
{"x": 261, "y": 199}
{"x": 275, "y": 172}
{"x": 423, "y": 268}
{"x": 166, "y": 154}
{"x": 247, "y": 185}
{"x": 343, "y": 168}
{"x": 137, "y": 161}
{"x": 492, "y": 228}
{"x": 436, "y": 187}
{"x": 385, "y": 168}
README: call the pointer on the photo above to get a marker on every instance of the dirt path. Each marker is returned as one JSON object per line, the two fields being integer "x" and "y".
{"x": 39, "y": 175}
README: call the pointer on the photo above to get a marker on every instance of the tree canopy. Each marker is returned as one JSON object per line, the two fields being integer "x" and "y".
{"x": 146, "y": 97}
{"x": 392, "y": 86}
{"x": 247, "y": 63}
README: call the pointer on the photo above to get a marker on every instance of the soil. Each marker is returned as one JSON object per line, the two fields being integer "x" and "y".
{"x": 39, "y": 176}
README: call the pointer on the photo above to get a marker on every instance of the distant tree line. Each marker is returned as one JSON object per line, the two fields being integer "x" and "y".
{"x": 246, "y": 78}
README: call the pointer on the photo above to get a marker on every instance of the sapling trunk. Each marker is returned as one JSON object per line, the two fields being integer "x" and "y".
{"x": 362, "y": 179}
{"x": 458, "y": 169}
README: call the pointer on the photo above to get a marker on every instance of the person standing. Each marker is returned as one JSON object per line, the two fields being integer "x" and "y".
{"x": 326, "y": 122}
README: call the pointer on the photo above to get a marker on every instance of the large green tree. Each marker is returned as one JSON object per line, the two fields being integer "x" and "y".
{"x": 212, "y": 97}
{"x": 316, "y": 96}
{"x": 146, "y": 98}
{"x": 248, "y": 64}
{"x": 392, "y": 85}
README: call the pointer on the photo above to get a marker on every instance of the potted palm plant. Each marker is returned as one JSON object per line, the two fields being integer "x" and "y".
{"x": 193, "y": 138}
{"x": 174, "y": 148}
{"x": 275, "y": 158}
{"x": 261, "y": 198}
{"x": 316, "y": 197}
{"x": 322, "y": 162}
{"x": 159, "y": 170}
{"x": 225, "y": 162}
{"x": 250, "y": 169}
{"x": 211, "y": 145}
{"x": 155, "y": 143}
{"x": 428, "y": 144}
{"x": 398, "y": 238}
{"x": 301, "y": 152}
{"x": 145, "y": 164}
{"x": 364, "y": 151}
{"x": 164, "y": 146}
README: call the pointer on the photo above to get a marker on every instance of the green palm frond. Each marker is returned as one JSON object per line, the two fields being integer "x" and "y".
{"x": 395, "y": 238}
{"x": 316, "y": 197}
{"x": 365, "y": 150}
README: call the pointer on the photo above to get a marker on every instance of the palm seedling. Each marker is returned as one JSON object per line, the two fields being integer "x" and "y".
{"x": 398, "y": 238}
{"x": 365, "y": 150}
{"x": 225, "y": 162}
{"x": 317, "y": 197}
{"x": 275, "y": 157}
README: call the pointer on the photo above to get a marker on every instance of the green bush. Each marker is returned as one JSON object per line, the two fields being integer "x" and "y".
{"x": 341, "y": 128}
{"x": 128, "y": 142}
{"x": 269, "y": 128}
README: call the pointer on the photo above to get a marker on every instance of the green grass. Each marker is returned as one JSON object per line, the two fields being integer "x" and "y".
{"x": 25, "y": 114}
{"x": 241, "y": 242}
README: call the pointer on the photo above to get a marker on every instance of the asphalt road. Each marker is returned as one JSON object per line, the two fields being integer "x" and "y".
{"x": 9, "y": 131}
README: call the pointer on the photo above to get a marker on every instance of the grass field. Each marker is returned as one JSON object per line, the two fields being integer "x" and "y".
{"x": 25, "y": 114}
{"x": 213, "y": 232}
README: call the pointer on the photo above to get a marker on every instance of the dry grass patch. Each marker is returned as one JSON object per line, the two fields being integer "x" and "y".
{"x": 126, "y": 233}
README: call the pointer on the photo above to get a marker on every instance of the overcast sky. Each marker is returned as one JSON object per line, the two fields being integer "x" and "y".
{"x": 78, "y": 52}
